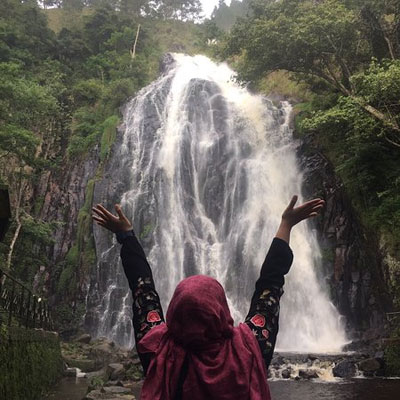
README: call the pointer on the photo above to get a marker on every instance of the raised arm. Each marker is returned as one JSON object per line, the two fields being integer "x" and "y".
{"x": 263, "y": 316}
{"x": 147, "y": 311}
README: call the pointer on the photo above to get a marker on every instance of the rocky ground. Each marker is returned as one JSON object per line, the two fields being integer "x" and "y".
{"x": 112, "y": 373}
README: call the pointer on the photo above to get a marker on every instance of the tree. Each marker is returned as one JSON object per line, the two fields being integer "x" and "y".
{"x": 321, "y": 40}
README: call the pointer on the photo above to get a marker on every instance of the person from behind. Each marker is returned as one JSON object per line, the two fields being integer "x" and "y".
{"x": 195, "y": 352}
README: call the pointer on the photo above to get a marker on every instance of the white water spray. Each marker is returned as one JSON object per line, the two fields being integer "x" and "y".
{"x": 205, "y": 170}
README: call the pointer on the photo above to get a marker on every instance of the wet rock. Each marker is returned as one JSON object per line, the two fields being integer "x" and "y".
{"x": 84, "y": 338}
{"x": 114, "y": 383}
{"x": 71, "y": 372}
{"x": 285, "y": 374}
{"x": 308, "y": 374}
{"x": 278, "y": 360}
{"x": 103, "y": 351}
{"x": 344, "y": 369}
{"x": 101, "y": 373}
{"x": 94, "y": 395}
{"x": 115, "y": 371}
{"x": 83, "y": 364}
{"x": 136, "y": 360}
{"x": 369, "y": 365}
{"x": 116, "y": 390}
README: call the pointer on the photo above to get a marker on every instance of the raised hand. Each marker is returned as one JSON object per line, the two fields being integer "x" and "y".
{"x": 107, "y": 220}
{"x": 292, "y": 216}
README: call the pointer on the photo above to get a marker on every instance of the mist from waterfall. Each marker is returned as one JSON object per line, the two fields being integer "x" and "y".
{"x": 205, "y": 169}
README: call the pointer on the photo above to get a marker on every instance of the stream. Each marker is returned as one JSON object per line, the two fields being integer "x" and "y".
{"x": 354, "y": 389}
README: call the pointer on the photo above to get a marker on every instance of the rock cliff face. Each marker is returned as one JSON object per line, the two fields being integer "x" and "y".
{"x": 352, "y": 260}
{"x": 64, "y": 193}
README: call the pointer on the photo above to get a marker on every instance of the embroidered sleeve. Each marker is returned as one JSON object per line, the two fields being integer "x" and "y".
{"x": 263, "y": 320}
{"x": 146, "y": 307}
{"x": 147, "y": 311}
{"x": 263, "y": 316}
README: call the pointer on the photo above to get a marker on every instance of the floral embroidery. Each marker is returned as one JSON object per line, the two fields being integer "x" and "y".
{"x": 258, "y": 320}
{"x": 146, "y": 307}
{"x": 263, "y": 320}
{"x": 153, "y": 316}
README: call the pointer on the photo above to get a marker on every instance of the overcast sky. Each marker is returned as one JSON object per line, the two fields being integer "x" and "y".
{"x": 208, "y": 6}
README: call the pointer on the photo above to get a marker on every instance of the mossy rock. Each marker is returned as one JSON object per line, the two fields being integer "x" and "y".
{"x": 84, "y": 365}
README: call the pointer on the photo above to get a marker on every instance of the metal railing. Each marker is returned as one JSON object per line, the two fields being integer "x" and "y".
{"x": 19, "y": 304}
{"x": 393, "y": 316}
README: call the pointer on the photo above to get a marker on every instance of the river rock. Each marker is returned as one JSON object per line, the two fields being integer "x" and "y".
{"x": 115, "y": 371}
{"x": 71, "y": 372}
{"x": 308, "y": 374}
{"x": 116, "y": 390}
{"x": 83, "y": 364}
{"x": 103, "y": 351}
{"x": 101, "y": 373}
{"x": 285, "y": 374}
{"x": 369, "y": 365}
{"x": 114, "y": 383}
{"x": 344, "y": 369}
{"x": 84, "y": 338}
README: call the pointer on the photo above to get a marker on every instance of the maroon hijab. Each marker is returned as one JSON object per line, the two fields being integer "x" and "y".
{"x": 225, "y": 362}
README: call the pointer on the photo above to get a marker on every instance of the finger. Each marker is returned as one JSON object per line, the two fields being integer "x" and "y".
{"x": 105, "y": 211}
{"x": 292, "y": 202}
{"x": 317, "y": 207}
{"x": 309, "y": 205}
{"x": 102, "y": 224}
{"x": 119, "y": 211}
{"x": 98, "y": 219}
{"x": 312, "y": 203}
{"x": 100, "y": 213}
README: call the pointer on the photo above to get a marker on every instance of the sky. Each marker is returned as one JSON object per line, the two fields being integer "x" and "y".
{"x": 208, "y": 6}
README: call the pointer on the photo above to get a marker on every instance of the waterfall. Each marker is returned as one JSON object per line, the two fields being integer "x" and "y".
{"x": 205, "y": 168}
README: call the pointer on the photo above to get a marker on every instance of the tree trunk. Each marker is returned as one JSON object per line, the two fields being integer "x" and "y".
{"x": 19, "y": 224}
{"x": 14, "y": 239}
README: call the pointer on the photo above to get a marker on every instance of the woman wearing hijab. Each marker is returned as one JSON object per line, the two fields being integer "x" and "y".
{"x": 197, "y": 353}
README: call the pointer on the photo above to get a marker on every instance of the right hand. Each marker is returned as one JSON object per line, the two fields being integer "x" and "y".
{"x": 107, "y": 220}
{"x": 292, "y": 216}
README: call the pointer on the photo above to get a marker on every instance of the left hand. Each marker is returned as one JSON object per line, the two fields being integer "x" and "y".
{"x": 292, "y": 216}
{"x": 107, "y": 220}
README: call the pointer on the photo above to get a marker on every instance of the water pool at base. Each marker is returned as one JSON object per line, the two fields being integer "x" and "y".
{"x": 356, "y": 389}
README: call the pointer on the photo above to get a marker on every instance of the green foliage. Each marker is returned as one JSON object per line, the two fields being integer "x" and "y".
{"x": 96, "y": 382}
{"x": 363, "y": 146}
{"x": 392, "y": 354}
{"x": 305, "y": 37}
{"x": 68, "y": 317}
{"x": 147, "y": 229}
{"x": 109, "y": 135}
{"x": 31, "y": 363}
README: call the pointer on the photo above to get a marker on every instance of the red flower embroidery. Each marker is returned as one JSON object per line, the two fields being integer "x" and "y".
{"x": 258, "y": 320}
{"x": 153, "y": 316}
{"x": 265, "y": 333}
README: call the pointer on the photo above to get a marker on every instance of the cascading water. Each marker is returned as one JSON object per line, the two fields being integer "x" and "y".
{"x": 205, "y": 169}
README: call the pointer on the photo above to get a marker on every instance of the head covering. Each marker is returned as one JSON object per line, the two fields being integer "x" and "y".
{"x": 224, "y": 362}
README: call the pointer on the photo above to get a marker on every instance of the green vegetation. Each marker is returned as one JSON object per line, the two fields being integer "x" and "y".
{"x": 31, "y": 363}
{"x": 64, "y": 74}
{"x": 343, "y": 58}
{"x": 66, "y": 71}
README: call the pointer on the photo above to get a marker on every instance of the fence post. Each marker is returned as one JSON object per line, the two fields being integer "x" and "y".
{"x": 27, "y": 311}
{"x": 34, "y": 312}
{"x": 21, "y": 306}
